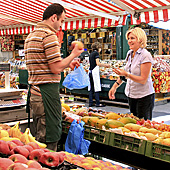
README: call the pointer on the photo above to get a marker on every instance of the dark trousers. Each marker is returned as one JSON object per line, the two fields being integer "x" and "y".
{"x": 91, "y": 92}
{"x": 142, "y": 107}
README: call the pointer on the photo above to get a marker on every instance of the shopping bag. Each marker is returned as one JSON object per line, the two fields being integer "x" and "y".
{"x": 75, "y": 142}
{"x": 77, "y": 79}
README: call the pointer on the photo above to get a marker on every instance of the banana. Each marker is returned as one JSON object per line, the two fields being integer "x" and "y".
{"x": 15, "y": 132}
{"x": 41, "y": 145}
{"x": 32, "y": 139}
{"x": 24, "y": 138}
{"x": 11, "y": 130}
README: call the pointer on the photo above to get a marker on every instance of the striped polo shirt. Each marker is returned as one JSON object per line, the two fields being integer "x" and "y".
{"x": 41, "y": 49}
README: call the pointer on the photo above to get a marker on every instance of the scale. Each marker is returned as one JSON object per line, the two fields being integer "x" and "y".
{"x": 12, "y": 105}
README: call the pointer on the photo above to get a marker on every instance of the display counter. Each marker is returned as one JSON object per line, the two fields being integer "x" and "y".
{"x": 106, "y": 85}
{"x": 12, "y": 105}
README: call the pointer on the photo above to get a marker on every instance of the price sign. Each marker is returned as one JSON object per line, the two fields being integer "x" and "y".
{"x": 102, "y": 34}
{"x": 93, "y": 35}
{"x": 5, "y": 67}
{"x": 83, "y": 35}
{"x": 75, "y": 36}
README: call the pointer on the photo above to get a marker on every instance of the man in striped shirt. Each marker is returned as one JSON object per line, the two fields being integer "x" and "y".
{"x": 44, "y": 64}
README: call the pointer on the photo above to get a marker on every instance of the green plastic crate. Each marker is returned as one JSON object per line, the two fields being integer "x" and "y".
{"x": 97, "y": 135}
{"x": 157, "y": 151}
{"x": 90, "y": 133}
{"x": 127, "y": 143}
{"x": 65, "y": 126}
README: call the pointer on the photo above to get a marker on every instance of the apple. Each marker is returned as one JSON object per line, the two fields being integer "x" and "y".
{"x": 34, "y": 145}
{"x": 18, "y": 158}
{"x": 36, "y": 154}
{"x": 18, "y": 142}
{"x": 17, "y": 166}
{"x": 4, "y": 148}
{"x": 11, "y": 145}
{"x": 60, "y": 155}
{"x": 79, "y": 43}
{"x": 50, "y": 159}
{"x": 45, "y": 149}
{"x": 86, "y": 166}
{"x": 28, "y": 147}
{"x": 5, "y": 163}
{"x": 109, "y": 168}
{"x": 33, "y": 164}
{"x": 21, "y": 150}
{"x": 69, "y": 119}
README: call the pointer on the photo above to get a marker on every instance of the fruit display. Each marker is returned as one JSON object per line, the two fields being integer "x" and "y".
{"x": 21, "y": 151}
{"x": 14, "y": 80}
{"x": 24, "y": 152}
{"x": 124, "y": 124}
{"x": 14, "y": 134}
{"x": 7, "y": 43}
{"x": 91, "y": 163}
{"x": 161, "y": 75}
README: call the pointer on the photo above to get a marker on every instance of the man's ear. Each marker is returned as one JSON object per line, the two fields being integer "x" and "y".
{"x": 53, "y": 17}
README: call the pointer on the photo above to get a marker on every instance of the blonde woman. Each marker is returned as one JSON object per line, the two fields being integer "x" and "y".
{"x": 139, "y": 88}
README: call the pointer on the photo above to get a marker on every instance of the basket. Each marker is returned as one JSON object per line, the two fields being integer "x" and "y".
{"x": 65, "y": 126}
{"x": 158, "y": 151}
{"x": 97, "y": 135}
{"x": 127, "y": 143}
{"x": 90, "y": 133}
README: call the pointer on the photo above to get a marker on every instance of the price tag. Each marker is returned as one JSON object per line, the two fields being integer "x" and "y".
{"x": 110, "y": 34}
{"x": 76, "y": 36}
{"x": 102, "y": 34}
{"x": 93, "y": 35}
{"x": 83, "y": 35}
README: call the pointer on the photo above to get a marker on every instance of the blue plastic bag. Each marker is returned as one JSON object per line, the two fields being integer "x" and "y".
{"x": 75, "y": 142}
{"x": 77, "y": 79}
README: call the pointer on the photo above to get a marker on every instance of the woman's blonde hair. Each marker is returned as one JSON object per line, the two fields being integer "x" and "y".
{"x": 140, "y": 34}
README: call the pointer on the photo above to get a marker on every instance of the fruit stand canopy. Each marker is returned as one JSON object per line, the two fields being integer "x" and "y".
{"x": 21, "y": 16}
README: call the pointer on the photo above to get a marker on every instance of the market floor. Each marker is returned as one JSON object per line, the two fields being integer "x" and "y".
{"x": 160, "y": 113}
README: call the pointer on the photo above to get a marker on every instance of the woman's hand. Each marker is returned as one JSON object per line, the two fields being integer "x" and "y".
{"x": 120, "y": 72}
{"x": 107, "y": 65}
{"x": 112, "y": 92}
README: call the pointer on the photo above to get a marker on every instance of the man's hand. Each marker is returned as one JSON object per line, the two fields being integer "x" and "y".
{"x": 76, "y": 51}
{"x": 74, "y": 63}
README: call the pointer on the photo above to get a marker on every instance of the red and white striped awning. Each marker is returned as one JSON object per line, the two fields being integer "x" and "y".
{"x": 21, "y": 16}
{"x": 17, "y": 30}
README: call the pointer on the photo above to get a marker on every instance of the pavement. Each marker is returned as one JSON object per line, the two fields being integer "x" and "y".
{"x": 161, "y": 112}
